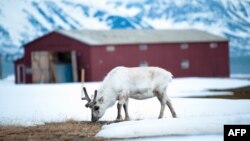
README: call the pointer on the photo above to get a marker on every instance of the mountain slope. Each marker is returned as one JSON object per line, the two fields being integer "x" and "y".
{"x": 24, "y": 20}
{"x": 230, "y": 19}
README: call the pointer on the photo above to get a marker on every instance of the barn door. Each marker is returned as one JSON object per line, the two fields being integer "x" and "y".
{"x": 54, "y": 67}
{"x": 64, "y": 67}
{"x": 40, "y": 67}
{"x": 20, "y": 73}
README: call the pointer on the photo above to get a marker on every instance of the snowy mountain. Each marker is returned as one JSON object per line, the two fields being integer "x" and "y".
{"x": 21, "y": 21}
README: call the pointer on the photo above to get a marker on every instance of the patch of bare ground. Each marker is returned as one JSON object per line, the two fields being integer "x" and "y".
{"x": 64, "y": 131}
{"x": 238, "y": 93}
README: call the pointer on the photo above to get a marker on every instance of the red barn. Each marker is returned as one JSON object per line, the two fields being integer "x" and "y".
{"x": 60, "y": 56}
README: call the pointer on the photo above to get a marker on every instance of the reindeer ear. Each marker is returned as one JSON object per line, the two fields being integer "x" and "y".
{"x": 87, "y": 105}
{"x": 100, "y": 100}
{"x": 90, "y": 104}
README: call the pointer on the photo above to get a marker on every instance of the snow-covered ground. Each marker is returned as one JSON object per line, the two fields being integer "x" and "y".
{"x": 198, "y": 119}
{"x": 195, "y": 117}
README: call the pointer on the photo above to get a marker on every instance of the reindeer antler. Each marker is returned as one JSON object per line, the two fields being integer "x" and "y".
{"x": 89, "y": 103}
{"x": 95, "y": 95}
{"x": 86, "y": 95}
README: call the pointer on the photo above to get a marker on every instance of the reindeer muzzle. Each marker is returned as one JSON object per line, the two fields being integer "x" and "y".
{"x": 94, "y": 119}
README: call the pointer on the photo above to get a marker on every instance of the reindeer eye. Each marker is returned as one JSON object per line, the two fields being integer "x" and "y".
{"x": 96, "y": 108}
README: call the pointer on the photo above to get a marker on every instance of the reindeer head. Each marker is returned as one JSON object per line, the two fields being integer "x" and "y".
{"x": 97, "y": 110}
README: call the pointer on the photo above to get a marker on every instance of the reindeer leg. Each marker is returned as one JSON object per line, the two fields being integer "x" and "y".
{"x": 123, "y": 100}
{"x": 162, "y": 102}
{"x": 162, "y": 109}
{"x": 169, "y": 103}
{"x": 125, "y": 106}
{"x": 119, "y": 116}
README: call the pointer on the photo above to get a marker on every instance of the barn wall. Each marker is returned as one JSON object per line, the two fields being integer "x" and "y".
{"x": 167, "y": 56}
{"x": 103, "y": 61}
{"x": 55, "y": 42}
{"x": 204, "y": 61}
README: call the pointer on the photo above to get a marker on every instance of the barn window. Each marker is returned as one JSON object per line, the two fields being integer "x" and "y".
{"x": 143, "y": 47}
{"x": 110, "y": 48}
{"x": 213, "y": 45}
{"x": 143, "y": 64}
{"x": 184, "y": 46}
{"x": 185, "y": 64}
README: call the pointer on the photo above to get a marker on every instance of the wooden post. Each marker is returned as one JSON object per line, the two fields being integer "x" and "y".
{"x": 82, "y": 75}
{"x": 82, "y": 81}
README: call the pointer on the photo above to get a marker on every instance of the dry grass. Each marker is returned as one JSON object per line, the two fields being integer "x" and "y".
{"x": 64, "y": 131}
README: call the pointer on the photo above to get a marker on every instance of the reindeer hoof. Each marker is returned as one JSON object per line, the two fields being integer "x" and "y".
{"x": 118, "y": 119}
{"x": 127, "y": 119}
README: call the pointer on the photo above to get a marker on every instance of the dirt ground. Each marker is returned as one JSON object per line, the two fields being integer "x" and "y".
{"x": 78, "y": 131}
{"x": 239, "y": 93}
{"x": 63, "y": 131}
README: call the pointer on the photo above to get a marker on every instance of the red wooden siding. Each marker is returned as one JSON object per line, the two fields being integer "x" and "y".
{"x": 203, "y": 60}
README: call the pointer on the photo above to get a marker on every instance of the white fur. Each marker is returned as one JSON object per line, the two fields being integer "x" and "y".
{"x": 122, "y": 83}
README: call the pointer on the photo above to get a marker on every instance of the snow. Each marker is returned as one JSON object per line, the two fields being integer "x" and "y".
{"x": 10, "y": 79}
{"x": 171, "y": 126}
{"x": 182, "y": 138}
{"x": 36, "y": 18}
{"x": 185, "y": 87}
{"x": 166, "y": 23}
{"x": 35, "y": 104}
{"x": 243, "y": 76}
{"x": 198, "y": 119}
{"x": 195, "y": 117}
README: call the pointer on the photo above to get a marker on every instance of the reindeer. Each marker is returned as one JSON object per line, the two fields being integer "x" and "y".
{"x": 122, "y": 83}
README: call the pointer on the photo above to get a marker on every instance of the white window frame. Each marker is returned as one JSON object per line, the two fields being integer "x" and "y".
{"x": 185, "y": 64}
{"x": 143, "y": 47}
{"x": 144, "y": 64}
{"x": 213, "y": 45}
{"x": 110, "y": 48}
{"x": 184, "y": 46}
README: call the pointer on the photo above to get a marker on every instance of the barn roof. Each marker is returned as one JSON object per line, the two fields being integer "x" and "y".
{"x": 131, "y": 36}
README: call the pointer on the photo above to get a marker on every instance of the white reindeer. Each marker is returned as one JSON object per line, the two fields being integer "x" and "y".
{"x": 122, "y": 83}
